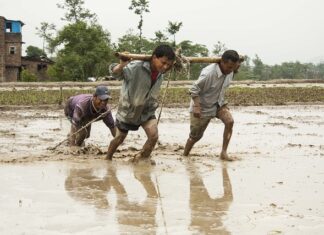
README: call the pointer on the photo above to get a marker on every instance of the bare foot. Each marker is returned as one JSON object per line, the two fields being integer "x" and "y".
{"x": 138, "y": 158}
{"x": 224, "y": 156}
{"x": 109, "y": 158}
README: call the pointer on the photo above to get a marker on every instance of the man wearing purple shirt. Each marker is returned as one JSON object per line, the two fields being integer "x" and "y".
{"x": 82, "y": 109}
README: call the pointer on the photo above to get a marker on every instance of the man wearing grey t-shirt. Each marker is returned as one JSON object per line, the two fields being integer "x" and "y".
{"x": 138, "y": 100}
{"x": 208, "y": 101}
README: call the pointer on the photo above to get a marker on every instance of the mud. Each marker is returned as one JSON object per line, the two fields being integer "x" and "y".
{"x": 277, "y": 186}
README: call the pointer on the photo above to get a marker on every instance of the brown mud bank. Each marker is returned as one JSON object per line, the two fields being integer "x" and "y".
{"x": 277, "y": 186}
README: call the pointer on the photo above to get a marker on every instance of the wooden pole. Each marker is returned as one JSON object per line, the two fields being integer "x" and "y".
{"x": 127, "y": 56}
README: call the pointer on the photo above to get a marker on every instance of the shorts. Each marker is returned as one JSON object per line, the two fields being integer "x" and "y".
{"x": 199, "y": 125}
{"x": 125, "y": 127}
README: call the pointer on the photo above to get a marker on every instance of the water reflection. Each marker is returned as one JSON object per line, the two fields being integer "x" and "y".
{"x": 83, "y": 185}
{"x": 133, "y": 217}
{"x": 207, "y": 212}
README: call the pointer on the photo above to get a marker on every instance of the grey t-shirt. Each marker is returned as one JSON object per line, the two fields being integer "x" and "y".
{"x": 138, "y": 97}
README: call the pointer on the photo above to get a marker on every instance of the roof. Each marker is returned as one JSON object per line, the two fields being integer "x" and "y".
{"x": 42, "y": 59}
{"x": 22, "y": 23}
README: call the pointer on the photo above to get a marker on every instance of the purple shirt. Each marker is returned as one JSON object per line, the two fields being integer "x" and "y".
{"x": 80, "y": 110}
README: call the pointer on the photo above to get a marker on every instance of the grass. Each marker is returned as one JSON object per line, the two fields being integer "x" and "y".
{"x": 177, "y": 96}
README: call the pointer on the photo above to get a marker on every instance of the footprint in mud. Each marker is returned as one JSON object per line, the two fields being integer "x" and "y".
{"x": 55, "y": 129}
{"x": 281, "y": 124}
{"x": 7, "y": 133}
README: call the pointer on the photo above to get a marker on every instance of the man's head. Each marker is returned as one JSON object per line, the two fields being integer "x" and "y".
{"x": 229, "y": 61}
{"x": 101, "y": 97}
{"x": 163, "y": 58}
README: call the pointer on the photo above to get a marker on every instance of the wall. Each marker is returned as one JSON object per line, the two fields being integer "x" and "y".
{"x": 2, "y": 48}
{"x": 10, "y": 64}
{"x": 39, "y": 68}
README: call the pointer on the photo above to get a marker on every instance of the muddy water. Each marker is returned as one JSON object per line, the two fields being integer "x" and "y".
{"x": 277, "y": 186}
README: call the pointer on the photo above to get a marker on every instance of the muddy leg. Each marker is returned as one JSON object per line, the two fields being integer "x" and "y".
{"x": 71, "y": 138}
{"x": 226, "y": 117}
{"x": 115, "y": 142}
{"x": 151, "y": 130}
{"x": 77, "y": 139}
{"x": 189, "y": 144}
{"x": 82, "y": 135}
{"x": 197, "y": 129}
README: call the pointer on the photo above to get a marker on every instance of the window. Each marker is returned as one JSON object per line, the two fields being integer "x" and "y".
{"x": 41, "y": 67}
{"x": 13, "y": 27}
{"x": 12, "y": 50}
{"x": 8, "y": 27}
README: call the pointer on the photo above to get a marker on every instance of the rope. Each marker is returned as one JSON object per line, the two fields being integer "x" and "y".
{"x": 164, "y": 96}
{"x": 159, "y": 195}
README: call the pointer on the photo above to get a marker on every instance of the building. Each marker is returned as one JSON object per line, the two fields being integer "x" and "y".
{"x": 11, "y": 61}
{"x": 37, "y": 66}
{"x": 10, "y": 49}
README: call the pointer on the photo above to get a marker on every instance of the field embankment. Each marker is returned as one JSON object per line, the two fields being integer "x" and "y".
{"x": 277, "y": 92}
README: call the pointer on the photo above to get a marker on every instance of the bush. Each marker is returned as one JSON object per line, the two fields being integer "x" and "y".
{"x": 27, "y": 76}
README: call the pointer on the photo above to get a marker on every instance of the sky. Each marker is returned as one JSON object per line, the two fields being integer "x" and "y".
{"x": 276, "y": 30}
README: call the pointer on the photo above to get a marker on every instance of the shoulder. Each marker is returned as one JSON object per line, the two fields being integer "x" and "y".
{"x": 209, "y": 71}
{"x": 135, "y": 64}
{"x": 83, "y": 100}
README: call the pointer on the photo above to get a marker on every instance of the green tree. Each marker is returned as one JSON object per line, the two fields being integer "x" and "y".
{"x": 45, "y": 31}
{"x": 75, "y": 12}
{"x": 86, "y": 52}
{"x": 219, "y": 48}
{"x": 33, "y": 51}
{"x": 160, "y": 37}
{"x": 84, "y": 48}
{"x": 293, "y": 70}
{"x": 245, "y": 71}
{"x": 258, "y": 68}
{"x": 195, "y": 50}
{"x": 317, "y": 71}
{"x": 173, "y": 28}
{"x": 132, "y": 43}
{"x": 190, "y": 49}
{"x": 140, "y": 7}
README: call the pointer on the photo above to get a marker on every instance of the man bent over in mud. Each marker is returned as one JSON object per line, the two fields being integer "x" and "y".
{"x": 207, "y": 101}
{"x": 82, "y": 109}
{"x": 138, "y": 98}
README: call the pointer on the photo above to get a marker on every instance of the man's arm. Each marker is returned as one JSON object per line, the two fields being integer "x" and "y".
{"x": 196, "y": 110}
{"x": 118, "y": 69}
{"x": 110, "y": 123}
{"x": 195, "y": 92}
{"x": 77, "y": 116}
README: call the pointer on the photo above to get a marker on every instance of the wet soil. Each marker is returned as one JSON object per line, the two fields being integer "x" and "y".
{"x": 276, "y": 186}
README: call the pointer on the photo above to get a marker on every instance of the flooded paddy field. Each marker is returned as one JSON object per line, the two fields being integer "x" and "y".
{"x": 276, "y": 186}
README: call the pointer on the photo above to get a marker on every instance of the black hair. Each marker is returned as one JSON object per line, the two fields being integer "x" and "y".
{"x": 230, "y": 55}
{"x": 164, "y": 50}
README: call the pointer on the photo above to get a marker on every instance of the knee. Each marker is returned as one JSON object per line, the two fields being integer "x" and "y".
{"x": 120, "y": 139}
{"x": 196, "y": 138}
{"x": 229, "y": 123}
{"x": 153, "y": 137}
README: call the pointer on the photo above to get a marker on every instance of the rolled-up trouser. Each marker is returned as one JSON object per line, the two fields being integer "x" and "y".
{"x": 198, "y": 126}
